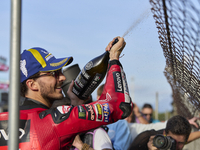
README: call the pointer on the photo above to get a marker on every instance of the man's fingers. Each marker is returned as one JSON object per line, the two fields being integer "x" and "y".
{"x": 150, "y": 144}
{"x": 70, "y": 87}
{"x": 195, "y": 124}
{"x": 108, "y": 48}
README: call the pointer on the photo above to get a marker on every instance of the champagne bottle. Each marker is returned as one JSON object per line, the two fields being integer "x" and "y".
{"x": 91, "y": 75}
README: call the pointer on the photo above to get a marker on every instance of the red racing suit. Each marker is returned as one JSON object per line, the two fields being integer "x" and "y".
{"x": 42, "y": 128}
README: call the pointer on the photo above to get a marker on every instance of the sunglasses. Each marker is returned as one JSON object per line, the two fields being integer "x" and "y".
{"x": 148, "y": 114}
{"x": 52, "y": 73}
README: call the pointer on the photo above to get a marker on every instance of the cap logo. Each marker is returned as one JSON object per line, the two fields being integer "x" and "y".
{"x": 38, "y": 57}
{"x": 45, "y": 52}
{"x": 23, "y": 67}
{"x": 58, "y": 63}
{"x": 48, "y": 56}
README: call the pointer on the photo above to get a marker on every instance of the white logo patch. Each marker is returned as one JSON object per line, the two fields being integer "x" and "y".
{"x": 23, "y": 67}
{"x": 89, "y": 65}
{"x": 64, "y": 109}
{"x": 108, "y": 98}
{"x": 50, "y": 56}
{"x": 45, "y": 52}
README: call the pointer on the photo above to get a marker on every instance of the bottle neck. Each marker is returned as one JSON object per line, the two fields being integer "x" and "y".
{"x": 107, "y": 53}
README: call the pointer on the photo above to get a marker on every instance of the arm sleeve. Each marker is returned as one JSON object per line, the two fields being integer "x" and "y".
{"x": 140, "y": 142}
{"x": 119, "y": 134}
{"x": 116, "y": 92}
{"x": 137, "y": 128}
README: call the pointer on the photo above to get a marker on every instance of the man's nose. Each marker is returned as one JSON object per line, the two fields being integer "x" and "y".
{"x": 62, "y": 77}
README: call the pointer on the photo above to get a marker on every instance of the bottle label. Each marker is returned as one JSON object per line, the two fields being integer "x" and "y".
{"x": 87, "y": 76}
{"x": 88, "y": 79}
{"x": 93, "y": 84}
{"x": 89, "y": 65}
{"x": 80, "y": 82}
{"x": 75, "y": 91}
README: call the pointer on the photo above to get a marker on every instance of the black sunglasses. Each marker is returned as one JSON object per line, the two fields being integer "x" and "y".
{"x": 147, "y": 114}
{"x": 52, "y": 73}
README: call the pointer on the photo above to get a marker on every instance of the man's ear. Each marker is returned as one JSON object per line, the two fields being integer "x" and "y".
{"x": 32, "y": 84}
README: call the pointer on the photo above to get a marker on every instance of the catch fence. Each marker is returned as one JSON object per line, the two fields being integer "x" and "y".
{"x": 178, "y": 24}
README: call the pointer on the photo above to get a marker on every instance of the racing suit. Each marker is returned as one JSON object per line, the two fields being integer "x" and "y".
{"x": 42, "y": 128}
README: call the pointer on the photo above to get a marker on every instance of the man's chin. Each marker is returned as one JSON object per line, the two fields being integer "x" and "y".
{"x": 60, "y": 97}
{"x": 57, "y": 97}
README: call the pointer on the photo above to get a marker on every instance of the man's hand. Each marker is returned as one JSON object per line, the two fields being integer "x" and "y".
{"x": 192, "y": 121}
{"x": 116, "y": 49}
{"x": 77, "y": 142}
{"x": 150, "y": 144}
{"x": 136, "y": 110}
{"x": 138, "y": 115}
{"x": 75, "y": 101}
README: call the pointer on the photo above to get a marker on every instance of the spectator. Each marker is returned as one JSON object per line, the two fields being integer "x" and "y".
{"x": 137, "y": 128}
{"x": 97, "y": 139}
{"x": 41, "y": 81}
{"x": 147, "y": 111}
{"x": 177, "y": 127}
{"x": 136, "y": 116}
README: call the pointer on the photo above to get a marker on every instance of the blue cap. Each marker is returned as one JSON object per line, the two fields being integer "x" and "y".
{"x": 37, "y": 60}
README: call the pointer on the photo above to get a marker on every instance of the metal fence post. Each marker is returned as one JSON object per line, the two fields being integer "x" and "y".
{"x": 14, "y": 90}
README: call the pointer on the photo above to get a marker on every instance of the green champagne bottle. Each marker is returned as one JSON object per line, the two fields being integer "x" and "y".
{"x": 91, "y": 75}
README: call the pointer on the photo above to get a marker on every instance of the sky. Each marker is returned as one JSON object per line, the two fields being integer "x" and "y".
{"x": 83, "y": 29}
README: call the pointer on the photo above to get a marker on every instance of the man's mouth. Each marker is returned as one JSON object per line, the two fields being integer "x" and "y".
{"x": 58, "y": 88}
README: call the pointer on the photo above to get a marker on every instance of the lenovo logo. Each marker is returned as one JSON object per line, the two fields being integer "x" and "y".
{"x": 118, "y": 82}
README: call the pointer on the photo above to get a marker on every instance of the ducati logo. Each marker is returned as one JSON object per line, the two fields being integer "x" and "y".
{"x": 4, "y": 135}
{"x": 24, "y": 132}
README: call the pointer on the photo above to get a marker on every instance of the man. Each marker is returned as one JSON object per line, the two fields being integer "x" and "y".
{"x": 147, "y": 111}
{"x": 53, "y": 129}
{"x": 177, "y": 127}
